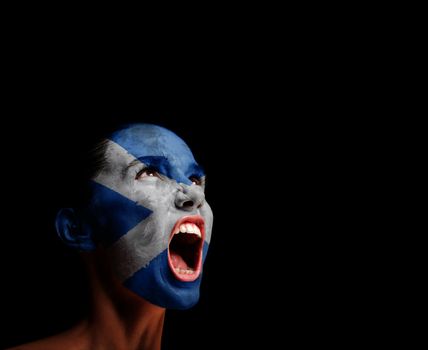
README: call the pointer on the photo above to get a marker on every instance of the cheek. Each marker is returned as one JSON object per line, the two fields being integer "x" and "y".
{"x": 139, "y": 247}
{"x": 207, "y": 214}
{"x": 157, "y": 196}
{"x": 149, "y": 237}
{"x": 114, "y": 214}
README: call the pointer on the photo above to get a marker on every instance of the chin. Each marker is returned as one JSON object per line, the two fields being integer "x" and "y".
{"x": 158, "y": 284}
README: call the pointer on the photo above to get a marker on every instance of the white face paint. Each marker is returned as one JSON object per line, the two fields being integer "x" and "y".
{"x": 150, "y": 212}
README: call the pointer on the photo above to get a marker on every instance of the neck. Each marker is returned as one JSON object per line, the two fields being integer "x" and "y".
{"x": 119, "y": 318}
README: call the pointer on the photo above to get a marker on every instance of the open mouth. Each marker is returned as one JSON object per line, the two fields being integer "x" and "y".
{"x": 185, "y": 248}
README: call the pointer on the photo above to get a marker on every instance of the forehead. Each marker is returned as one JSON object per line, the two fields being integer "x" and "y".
{"x": 145, "y": 140}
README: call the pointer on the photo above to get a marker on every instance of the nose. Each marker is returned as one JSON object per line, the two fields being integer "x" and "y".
{"x": 189, "y": 198}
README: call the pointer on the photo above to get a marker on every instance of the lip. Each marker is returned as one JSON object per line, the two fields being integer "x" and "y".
{"x": 200, "y": 222}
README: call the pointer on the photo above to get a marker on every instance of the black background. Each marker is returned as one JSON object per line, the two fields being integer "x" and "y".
{"x": 44, "y": 287}
{"x": 272, "y": 268}
{"x": 290, "y": 116}
{"x": 290, "y": 120}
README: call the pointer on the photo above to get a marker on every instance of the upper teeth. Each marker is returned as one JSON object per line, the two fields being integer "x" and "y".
{"x": 188, "y": 228}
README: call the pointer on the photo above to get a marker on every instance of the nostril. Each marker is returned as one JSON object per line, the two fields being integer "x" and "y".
{"x": 188, "y": 204}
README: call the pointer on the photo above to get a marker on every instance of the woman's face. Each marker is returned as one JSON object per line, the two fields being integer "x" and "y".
{"x": 149, "y": 212}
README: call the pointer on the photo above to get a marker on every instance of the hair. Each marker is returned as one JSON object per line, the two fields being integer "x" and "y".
{"x": 80, "y": 162}
{"x": 82, "y": 148}
{"x": 97, "y": 158}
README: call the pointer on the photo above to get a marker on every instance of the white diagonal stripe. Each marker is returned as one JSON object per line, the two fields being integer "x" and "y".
{"x": 140, "y": 245}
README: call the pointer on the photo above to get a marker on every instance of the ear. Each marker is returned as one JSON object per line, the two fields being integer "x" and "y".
{"x": 73, "y": 231}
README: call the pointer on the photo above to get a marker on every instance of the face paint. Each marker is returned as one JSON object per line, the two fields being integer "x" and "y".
{"x": 148, "y": 209}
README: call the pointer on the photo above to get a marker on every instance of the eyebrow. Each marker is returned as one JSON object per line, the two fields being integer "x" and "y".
{"x": 133, "y": 163}
{"x": 196, "y": 170}
{"x": 155, "y": 161}
{"x": 163, "y": 165}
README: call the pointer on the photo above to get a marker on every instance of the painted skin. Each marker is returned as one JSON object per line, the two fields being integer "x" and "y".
{"x": 150, "y": 185}
{"x": 150, "y": 189}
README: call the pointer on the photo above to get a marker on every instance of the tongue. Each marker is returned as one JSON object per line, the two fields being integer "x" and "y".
{"x": 177, "y": 261}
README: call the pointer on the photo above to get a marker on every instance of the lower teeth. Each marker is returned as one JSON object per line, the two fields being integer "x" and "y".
{"x": 187, "y": 272}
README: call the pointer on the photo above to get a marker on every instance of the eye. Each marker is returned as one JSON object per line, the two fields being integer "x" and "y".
{"x": 196, "y": 180}
{"x": 147, "y": 172}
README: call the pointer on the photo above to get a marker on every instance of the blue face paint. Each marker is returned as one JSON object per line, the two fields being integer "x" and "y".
{"x": 161, "y": 147}
{"x": 167, "y": 168}
{"x": 155, "y": 225}
{"x": 157, "y": 284}
{"x": 126, "y": 213}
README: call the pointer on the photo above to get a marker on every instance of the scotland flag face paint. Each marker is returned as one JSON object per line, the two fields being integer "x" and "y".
{"x": 148, "y": 209}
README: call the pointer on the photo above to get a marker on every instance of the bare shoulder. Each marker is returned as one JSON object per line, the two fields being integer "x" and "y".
{"x": 51, "y": 343}
{"x": 45, "y": 344}
{"x": 74, "y": 339}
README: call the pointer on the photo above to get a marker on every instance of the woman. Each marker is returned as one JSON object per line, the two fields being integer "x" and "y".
{"x": 143, "y": 232}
